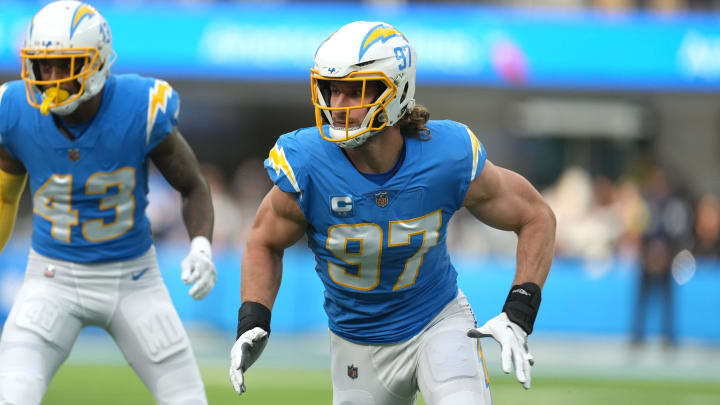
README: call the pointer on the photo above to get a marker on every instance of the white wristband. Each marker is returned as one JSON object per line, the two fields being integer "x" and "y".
{"x": 201, "y": 245}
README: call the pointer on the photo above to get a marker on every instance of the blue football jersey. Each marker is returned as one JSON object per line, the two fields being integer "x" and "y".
{"x": 380, "y": 249}
{"x": 90, "y": 194}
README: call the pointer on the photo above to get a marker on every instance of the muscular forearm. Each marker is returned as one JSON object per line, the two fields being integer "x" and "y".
{"x": 536, "y": 243}
{"x": 197, "y": 211}
{"x": 261, "y": 274}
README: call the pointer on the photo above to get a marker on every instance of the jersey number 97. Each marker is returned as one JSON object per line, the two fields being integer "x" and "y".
{"x": 367, "y": 257}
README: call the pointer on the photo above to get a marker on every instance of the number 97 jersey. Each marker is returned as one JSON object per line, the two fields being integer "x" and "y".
{"x": 380, "y": 249}
{"x": 90, "y": 194}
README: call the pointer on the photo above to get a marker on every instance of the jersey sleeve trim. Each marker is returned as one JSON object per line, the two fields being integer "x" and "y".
{"x": 158, "y": 97}
{"x": 279, "y": 163}
{"x": 2, "y": 90}
{"x": 478, "y": 153}
{"x": 2, "y": 124}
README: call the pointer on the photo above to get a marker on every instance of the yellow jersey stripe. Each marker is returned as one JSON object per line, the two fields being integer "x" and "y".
{"x": 475, "y": 147}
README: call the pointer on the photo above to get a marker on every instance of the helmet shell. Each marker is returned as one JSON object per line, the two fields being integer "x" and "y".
{"x": 363, "y": 51}
{"x": 68, "y": 29}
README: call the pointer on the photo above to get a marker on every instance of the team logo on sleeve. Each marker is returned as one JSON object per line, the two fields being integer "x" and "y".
{"x": 352, "y": 372}
{"x": 280, "y": 164}
{"x": 158, "y": 98}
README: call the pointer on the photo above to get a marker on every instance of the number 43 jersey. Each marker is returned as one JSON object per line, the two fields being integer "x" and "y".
{"x": 89, "y": 195}
{"x": 380, "y": 249}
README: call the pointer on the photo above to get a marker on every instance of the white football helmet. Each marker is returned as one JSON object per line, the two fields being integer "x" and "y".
{"x": 360, "y": 52}
{"x": 66, "y": 30}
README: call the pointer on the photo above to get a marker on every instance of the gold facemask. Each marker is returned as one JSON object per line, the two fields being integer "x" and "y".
{"x": 55, "y": 96}
{"x": 375, "y": 123}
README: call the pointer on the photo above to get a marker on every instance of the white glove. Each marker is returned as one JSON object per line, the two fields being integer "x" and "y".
{"x": 513, "y": 346}
{"x": 198, "y": 268}
{"x": 244, "y": 352}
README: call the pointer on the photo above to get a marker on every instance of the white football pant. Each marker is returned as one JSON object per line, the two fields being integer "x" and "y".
{"x": 441, "y": 361}
{"x": 128, "y": 299}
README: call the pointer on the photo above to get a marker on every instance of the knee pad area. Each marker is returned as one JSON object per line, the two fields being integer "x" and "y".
{"x": 182, "y": 386}
{"x": 26, "y": 367}
{"x": 21, "y": 388}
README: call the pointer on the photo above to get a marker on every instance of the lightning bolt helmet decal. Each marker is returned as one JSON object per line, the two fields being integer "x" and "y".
{"x": 81, "y": 12}
{"x": 380, "y": 32}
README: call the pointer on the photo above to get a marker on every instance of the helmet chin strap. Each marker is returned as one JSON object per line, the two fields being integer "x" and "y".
{"x": 358, "y": 140}
{"x": 70, "y": 107}
{"x": 66, "y": 109}
{"x": 361, "y": 139}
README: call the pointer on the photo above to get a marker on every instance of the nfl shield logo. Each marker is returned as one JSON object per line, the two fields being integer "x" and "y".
{"x": 74, "y": 154}
{"x": 352, "y": 372}
{"x": 381, "y": 199}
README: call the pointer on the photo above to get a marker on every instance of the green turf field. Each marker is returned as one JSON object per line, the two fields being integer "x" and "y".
{"x": 114, "y": 385}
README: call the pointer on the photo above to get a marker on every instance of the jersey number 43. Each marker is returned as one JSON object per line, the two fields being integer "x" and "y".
{"x": 53, "y": 201}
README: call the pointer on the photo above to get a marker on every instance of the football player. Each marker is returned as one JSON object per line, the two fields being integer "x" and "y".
{"x": 374, "y": 186}
{"x": 84, "y": 137}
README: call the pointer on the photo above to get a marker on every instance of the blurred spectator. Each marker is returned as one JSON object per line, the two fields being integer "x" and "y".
{"x": 227, "y": 216}
{"x": 707, "y": 227}
{"x": 588, "y": 225}
{"x": 663, "y": 238}
{"x": 468, "y": 236}
{"x": 570, "y": 197}
{"x": 163, "y": 208}
{"x": 634, "y": 217}
{"x": 250, "y": 183}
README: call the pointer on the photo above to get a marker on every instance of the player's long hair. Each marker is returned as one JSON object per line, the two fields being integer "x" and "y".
{"x": 413, "y": 123}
